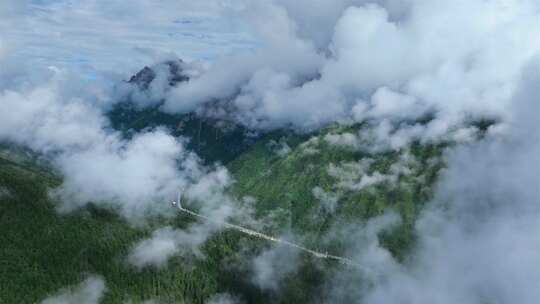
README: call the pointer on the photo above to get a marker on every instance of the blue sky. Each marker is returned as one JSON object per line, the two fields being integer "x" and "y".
{"x": 118, "y": 35}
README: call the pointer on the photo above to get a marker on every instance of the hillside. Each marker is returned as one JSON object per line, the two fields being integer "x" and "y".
{"x": 269, "y": 152}
{"x": 299, "y": 185}
{"x": 58, "y": 250}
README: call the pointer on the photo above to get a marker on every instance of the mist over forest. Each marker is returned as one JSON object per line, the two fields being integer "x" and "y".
{"x": 280, "y": 151}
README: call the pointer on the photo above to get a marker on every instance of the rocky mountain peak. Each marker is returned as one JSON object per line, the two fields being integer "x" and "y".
{"x": 174, "y": 68}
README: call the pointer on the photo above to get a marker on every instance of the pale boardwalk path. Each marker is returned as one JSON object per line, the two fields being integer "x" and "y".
{"x": 320, "y": 255}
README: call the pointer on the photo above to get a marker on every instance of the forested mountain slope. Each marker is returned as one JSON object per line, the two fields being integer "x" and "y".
{"x": 302, "y": 186}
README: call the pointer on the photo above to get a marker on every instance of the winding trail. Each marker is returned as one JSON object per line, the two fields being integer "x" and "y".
{"x": 253, "y": 233}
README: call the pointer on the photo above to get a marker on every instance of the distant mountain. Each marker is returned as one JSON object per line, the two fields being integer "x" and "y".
{"x": 214, "y": 140}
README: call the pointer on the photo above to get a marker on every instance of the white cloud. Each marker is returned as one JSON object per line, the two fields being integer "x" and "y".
{"x": 363, "y": 245}
{"x": 62, "y": 117}
{"x": 73, "y": 34}
{"x": 403, "y": 58}
{"x": 328, "y": 200}
{"x": 280, "y": 148}
{"x": 387, "y": 103}
{"x": 207, "y": 193}
{"x": 165, "y": 243}
{"x": 67, "y": 125}
{"x": 273, "y": 265}
{"x": 90, "y": 291}
{"x": 139, "y": 176}
{"x": 478, "y": 241}
{"x": 356, "y": 176}
{"x": 342, "y": 61}
{"x": 42, "y": 119}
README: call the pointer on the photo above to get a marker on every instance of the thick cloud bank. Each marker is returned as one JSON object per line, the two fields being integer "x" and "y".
{"x": 97, "y": 164}
{"x": 358, "y": 60}
{"x": 133, "y": 174}
{"x": 479, "y": 240}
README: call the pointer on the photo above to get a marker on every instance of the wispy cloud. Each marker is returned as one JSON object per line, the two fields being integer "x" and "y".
{"x": 91, "y": 291}
{"x": 112, "y": 35}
